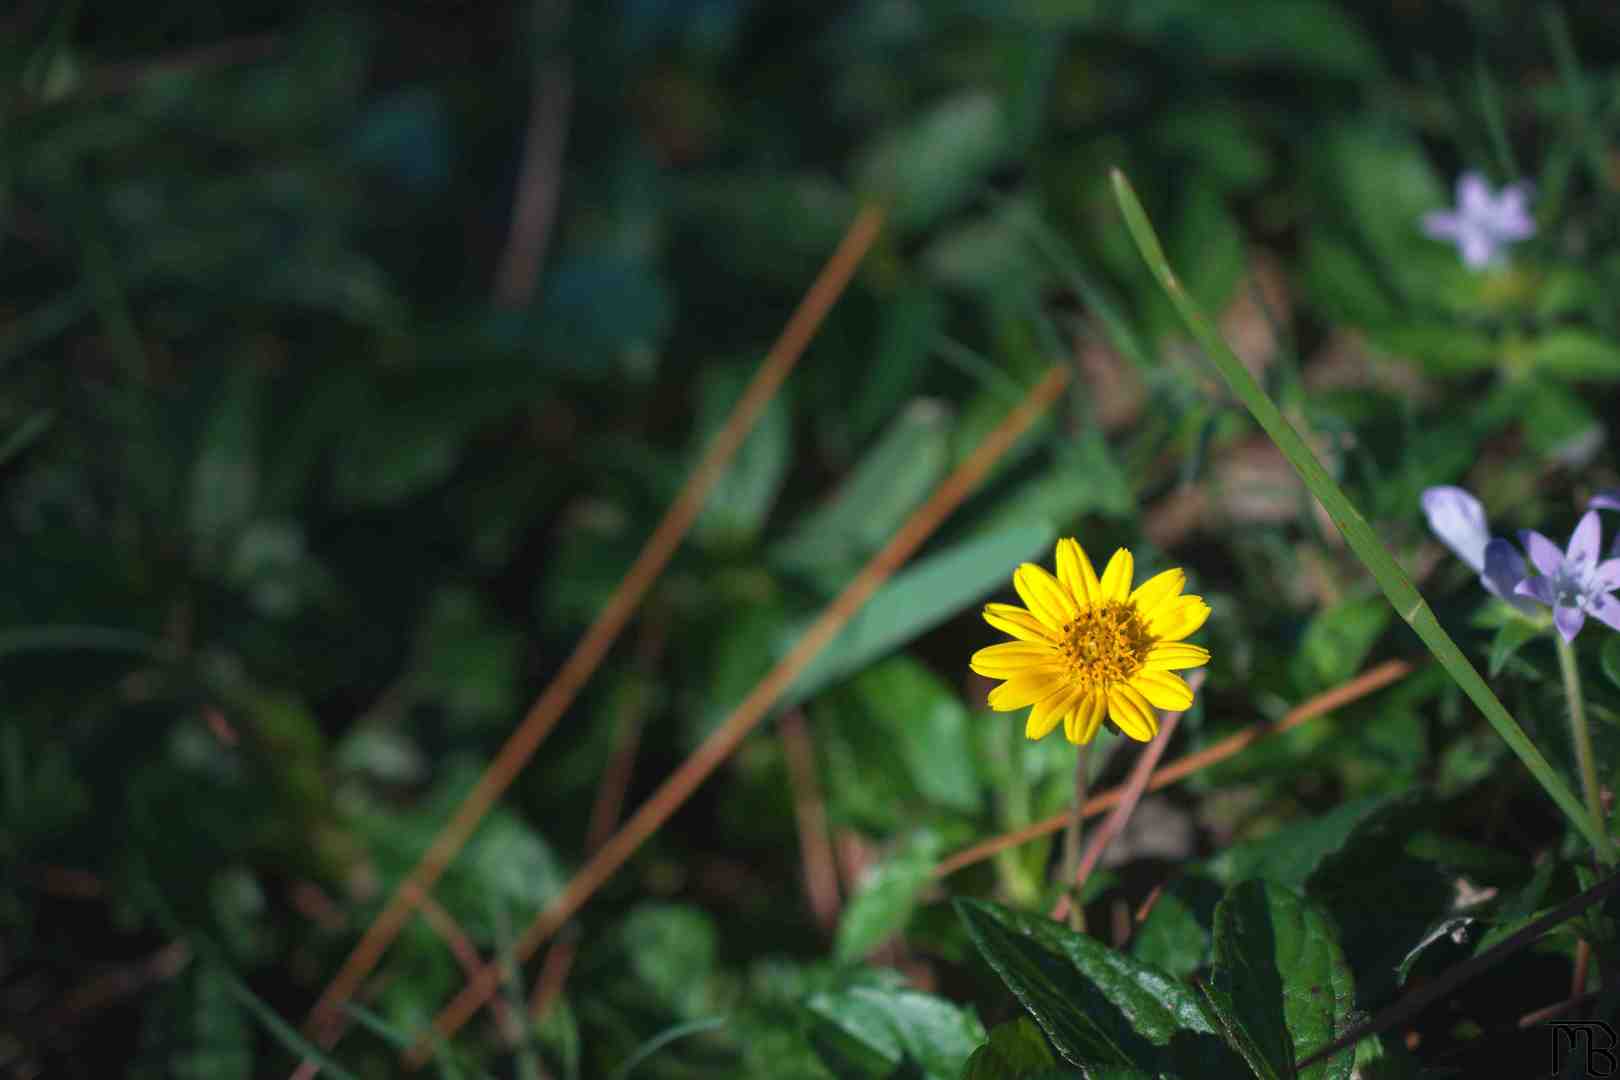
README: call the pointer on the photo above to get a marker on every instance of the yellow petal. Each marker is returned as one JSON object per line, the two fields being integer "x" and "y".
{"x": 1045, "y": 596}
{"x": 1116, "y": 579}
{"x": 1049, "y": 712}
{"x": 1132, "y": 712}
{"x": 1164, "y": 690}
{"x": 1019, "y": 623}
{"x": 1174, "y": 656}
{"x": 1081, "y": 725}
{"x": 1157, "y": 589}
{"x": 1178, "y": 618}
{"x": 1025, "y": 688}
{"x": 1075, "y": 572}
{"x": 1011, "y": 657}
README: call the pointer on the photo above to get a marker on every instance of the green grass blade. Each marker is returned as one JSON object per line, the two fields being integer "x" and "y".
{"x": 1402, "y": 594}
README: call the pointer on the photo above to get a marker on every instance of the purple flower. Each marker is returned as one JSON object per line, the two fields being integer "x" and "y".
{"x": 1573, "y": 582}
{"x": 1458, "y": 519}
{"x": 1482, "y": 224}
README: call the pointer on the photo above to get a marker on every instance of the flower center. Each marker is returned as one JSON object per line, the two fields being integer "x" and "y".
{"x": 1106, "y": 644}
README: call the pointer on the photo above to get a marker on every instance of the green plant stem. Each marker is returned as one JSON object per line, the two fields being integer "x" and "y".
{"x": 1400, "y": 591}
{"x": 1585, "y": 760}
{"x": 1071, "y": 837}
{"x": 1015, "y": 814}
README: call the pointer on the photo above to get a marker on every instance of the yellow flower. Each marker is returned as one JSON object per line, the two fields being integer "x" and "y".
{"x": 1088, "y": 647}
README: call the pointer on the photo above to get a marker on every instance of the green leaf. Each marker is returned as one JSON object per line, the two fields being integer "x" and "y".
{"x": 885, "y": 898}
{"x": 961, "y": 140}
{"x": 916, "y": 600}
{"x": 1207, "y": 245}
{"x": 1083, "y": 477}
{"x": 911, "y": 321}
{"x": 1179, "y": 931}
{"x": 737, "y": 506}
{"x": 1611, "y": 659}
{"x": 195, "y": 1029}
{"x": 673, "y": 949}
{"x": 224, "y": 480}
{"x": 1098, "y": 1006}
{"x": 1343, "y": 284}
{"x": 989, "y": 253}
{"x": 1337, "y": 640}
{"x": 896, "y": 1024}
{"x": 1015, "y": 1050}
{"x": 1278, "y": 965}
{"x": 891, "y": 481}
{"x": 1290, "y": 855}
{"x": 1443, "y": 350}
{"x": 924, "y": 719}
{"x": 1510, "y": 637}
{"x": 1571, "y": 354}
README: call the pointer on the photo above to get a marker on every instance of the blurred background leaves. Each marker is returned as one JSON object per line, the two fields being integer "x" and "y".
{"x": 300, "y": 511}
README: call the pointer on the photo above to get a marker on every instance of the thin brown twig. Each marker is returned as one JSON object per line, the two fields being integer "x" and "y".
{"x": 554, "y": 969}
{"x": 1375, "y": 678}
{"x": 102, "y": 990}
{"x": 461, "y": 947}
{"x": 1411, "y": 1004}
{"x": 605, "y": 811}
{"x": 571, "y": 677}
{"x": 1583, "y": 957}
{"x": 539, "y": 185}
{"x": 1558, "y": 1008}
{"x": 720, "y": 744}
{"x": 810, "y": 814}
{"x": 1134, "y": 786}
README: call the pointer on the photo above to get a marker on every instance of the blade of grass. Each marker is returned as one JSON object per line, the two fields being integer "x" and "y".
{"x": 1366, "y": 683}
{"x": 571, "y": 677}
{"x": 1577, "y": 101}
{"x": 1490, "y": 106}
{"x": 1400, "y": 591}
{"x": 664, "y": 1038}
{"x": 718, "y": 747}
{"x": 24, "y": 434}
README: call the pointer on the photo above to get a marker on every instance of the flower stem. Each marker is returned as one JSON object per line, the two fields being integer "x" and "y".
{"x": 1071, "y": 837}
{"x": 1583, "y": 740}
{"x": 1584, "y": 758}
{"x": 1018, "y": 883}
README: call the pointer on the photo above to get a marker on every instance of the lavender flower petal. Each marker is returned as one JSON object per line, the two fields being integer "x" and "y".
{"x": 1482, "y": 224}
{"x": 1543, "y": 552}
{"x": 1473, "y": 195}
{"x": 1538, "y": 588}
{"x": 1512, "y": 216}
{"x": 1458, "y": 519}
{"x": 1504, "y": 569}
{"x": 1584, "y": 542}
{"x": 1607, "y": 608}
{"x": 1606, "y": 578}
{"x": 1569, "y": 620}
{"x": 1605, "y": 500}
{"x": 1442, "y": 225}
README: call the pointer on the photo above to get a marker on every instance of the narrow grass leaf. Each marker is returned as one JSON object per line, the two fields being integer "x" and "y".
{"x": 1361, "y": 537}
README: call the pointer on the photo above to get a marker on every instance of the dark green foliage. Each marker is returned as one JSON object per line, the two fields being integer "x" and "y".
{"x": 307, "y": 490}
